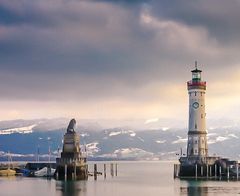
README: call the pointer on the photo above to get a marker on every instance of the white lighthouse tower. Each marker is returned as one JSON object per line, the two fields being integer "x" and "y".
{"x": 197, "y": 148}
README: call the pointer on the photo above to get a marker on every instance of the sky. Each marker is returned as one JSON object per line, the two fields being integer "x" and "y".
{"x": 97, "y": 59}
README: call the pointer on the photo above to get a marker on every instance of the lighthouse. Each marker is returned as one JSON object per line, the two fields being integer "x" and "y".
{"x": 197, "y": 148}
{"x": 196, "y": 162}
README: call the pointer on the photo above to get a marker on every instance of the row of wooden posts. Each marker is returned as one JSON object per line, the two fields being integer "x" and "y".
{"x": 74, "y": 174}
{"x": 217, "y": 169}
{"x": 96, "y": 173}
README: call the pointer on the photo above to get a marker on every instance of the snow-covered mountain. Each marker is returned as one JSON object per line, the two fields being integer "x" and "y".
{"x": 24, "y": 138}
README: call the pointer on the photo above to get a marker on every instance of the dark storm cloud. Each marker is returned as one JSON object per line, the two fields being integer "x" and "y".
{"x": 125, "y": 2}
{"x": 25, "y": 14}
{"x": 107, "y": 48}
{"x": 220, "y": 17}
{"x": 7, "y": 16}
{"x": 43, "y": 37}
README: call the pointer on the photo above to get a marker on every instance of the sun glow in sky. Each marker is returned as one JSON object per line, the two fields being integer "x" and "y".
{"x": 115, "y": 59}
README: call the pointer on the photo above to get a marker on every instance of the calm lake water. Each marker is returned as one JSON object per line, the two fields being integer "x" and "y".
{"x": 134, "y": 179}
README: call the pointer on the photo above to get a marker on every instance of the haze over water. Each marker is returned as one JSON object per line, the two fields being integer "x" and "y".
{"x": 134, "y": 178}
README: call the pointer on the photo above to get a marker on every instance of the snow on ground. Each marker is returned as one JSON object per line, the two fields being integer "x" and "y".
{"x": 115, "y": 133}
{"x": 160, "y": 141}
{"x": 22, "y": 130}
{"x": 92, "y": 148}
{"x": 132, "y": 153}
{"x": 7, "y": 154}
{"x": 108, "y": 156}
{"x": 132, "y": 134}
{"x": 211, "y": 141}
{"x": 221, "y": 138}
{"x": 211, "y": 134}
{"x": 141, "y": 139}
{"x": 84, "y": 134}
{"x": 180, "y": 140}
{"x": 152, "y": 120}
{"x": 233, "y": 135}
{"x": 165, "y": 128}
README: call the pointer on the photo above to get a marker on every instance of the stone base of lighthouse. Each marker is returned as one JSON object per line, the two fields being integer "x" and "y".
{"x": 211, "y": 168}
{"x": 198, "y": 160}
{"x": 188, "y": 165}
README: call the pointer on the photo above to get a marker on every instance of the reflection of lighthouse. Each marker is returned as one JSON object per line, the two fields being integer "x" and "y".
{"x": 197, "y": 134}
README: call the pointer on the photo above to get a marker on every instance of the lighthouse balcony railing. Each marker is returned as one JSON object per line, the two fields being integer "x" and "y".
{"x": 196, "y": 83}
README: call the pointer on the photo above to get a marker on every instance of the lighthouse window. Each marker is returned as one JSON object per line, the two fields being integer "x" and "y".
{"x": 195, "y": 93}
{"x": 195, "y": 141}
{"x": 201, "y": 115}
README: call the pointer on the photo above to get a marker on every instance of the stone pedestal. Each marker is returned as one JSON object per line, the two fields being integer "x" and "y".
{"x": 73, "y": 164}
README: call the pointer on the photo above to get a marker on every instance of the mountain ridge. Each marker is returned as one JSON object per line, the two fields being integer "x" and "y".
{"x": 122, "y": 143}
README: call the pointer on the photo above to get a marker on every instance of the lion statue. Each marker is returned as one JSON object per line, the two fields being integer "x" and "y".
{"x": 71, "y": 126}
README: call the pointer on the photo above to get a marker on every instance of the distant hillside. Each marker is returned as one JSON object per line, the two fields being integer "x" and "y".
{"x": 24, "y": 138}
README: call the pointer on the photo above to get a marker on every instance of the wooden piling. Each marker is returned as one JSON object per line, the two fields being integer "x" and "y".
{"x": 95, "y": 171}
{"x": 174, "y": 171}
{"x": 228, "y": 172}
{"x": 86, "y": 172}
{"x": 105, "y": 170}
{"x": 220, "y": 171}
{"x": 196, "y": 171}
{"x": 75, "y": 171}
{"x": 215, "y": 170}
{"x": 237, "y": 170}
{"x": 210, "y": 170}
{"x": 48, "y": 171}
{"x": 177, "y": 170}
{"x": 116, "y": 169}
{"x": 111, "y": 169}
{"x": 65, "y": 172}
{"x": 207, "y": 171}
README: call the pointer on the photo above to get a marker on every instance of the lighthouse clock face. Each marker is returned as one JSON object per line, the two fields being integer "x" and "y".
{"x": 195, "y": 105}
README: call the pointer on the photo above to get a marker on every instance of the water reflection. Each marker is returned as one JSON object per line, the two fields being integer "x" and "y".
{"x": 207, "y": 188}
{"x": 74, "y": 188}
{"x": 195, "y": 188}
{"x": 13, "y": 178}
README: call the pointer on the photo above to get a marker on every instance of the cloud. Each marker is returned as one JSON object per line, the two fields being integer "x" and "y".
{"x": 219, "y": 17}
{"x": 130, "y": 58}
